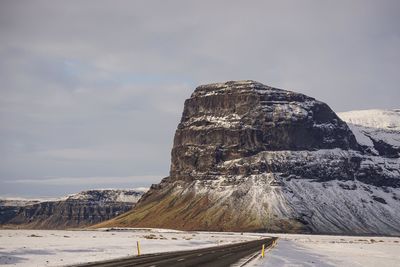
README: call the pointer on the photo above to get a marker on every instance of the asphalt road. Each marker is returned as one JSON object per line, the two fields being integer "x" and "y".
{"x": 219, "y": 256}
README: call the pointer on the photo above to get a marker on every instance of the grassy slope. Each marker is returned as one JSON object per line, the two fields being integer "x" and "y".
{"x": 173, "y": 209}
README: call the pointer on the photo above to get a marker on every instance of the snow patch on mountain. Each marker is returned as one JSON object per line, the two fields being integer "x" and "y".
{"x": 101, "y": 195}
{"x": 21, "y": 202}
{"x": 373, "y": 118}
{"x": 109, "y": 195}
{"x": 328, "y": 207}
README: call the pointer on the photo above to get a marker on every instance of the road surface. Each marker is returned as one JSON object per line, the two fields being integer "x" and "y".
{"x": 219, "y": 256}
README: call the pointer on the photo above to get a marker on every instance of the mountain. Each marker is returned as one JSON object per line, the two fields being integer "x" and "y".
{"x": 77, "y": 210}
{"x": 249, "y": 157}
{"x": 378, "y": 131}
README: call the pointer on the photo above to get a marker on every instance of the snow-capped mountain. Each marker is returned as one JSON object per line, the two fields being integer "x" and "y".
{"x": 77, "y": 210}
{"x": 251, "y": 157}
{"x": 376, "y": 130}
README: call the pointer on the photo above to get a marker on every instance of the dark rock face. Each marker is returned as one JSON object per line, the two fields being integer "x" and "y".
{"x": 386, "y": 150}
{"x": 7, "y": 213}
{"x": 67, "y": 214}
{"x": 232, "y": 120}
{"x": 248, "y": 157}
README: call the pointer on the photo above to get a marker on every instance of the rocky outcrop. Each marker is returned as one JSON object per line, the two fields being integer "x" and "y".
{"x": 248, "y": 157}
{"x": 78, "y": 210}
{"x": 10, "y": 207}
{"x": 233, "y": 120}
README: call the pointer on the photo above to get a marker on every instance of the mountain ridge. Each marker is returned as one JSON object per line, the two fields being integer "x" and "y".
{"x": 73, "y": 211}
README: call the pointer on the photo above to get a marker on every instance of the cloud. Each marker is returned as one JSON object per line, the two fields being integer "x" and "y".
{"x": 95, "y": 88}
{"x": 73, "y": 181}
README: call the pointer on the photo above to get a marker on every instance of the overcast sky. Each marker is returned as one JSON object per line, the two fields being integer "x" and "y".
{"x": 91, "y": 91}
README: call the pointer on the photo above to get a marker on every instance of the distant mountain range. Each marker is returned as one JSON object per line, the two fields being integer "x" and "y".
{"x": 73, "y": 211}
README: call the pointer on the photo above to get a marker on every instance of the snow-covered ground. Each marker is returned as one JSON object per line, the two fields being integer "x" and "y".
{"x": 58, "y": 248}
{"x": 326, "y": 251}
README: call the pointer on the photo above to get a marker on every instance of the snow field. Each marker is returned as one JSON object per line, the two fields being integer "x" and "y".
{"x": 59, "y": 248}
{"x": 327, "y": 251}
{"x": 375, "y": 118}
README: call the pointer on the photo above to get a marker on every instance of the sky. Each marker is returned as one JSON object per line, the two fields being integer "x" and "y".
{"x": 91, "y": 92}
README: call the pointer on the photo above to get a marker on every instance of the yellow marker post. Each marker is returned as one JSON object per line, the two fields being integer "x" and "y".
{"x": 263, "y": 251}
{"x": 138, "y": 248}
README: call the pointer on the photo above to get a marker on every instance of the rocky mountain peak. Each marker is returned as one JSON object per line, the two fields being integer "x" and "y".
{"x": 230, "y": 86}
{"x": 225, "y": 121}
